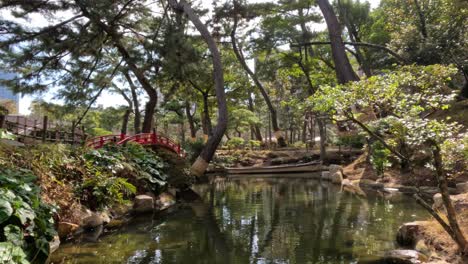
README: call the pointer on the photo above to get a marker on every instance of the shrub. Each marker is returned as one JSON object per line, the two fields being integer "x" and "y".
{"x": 255, "y": 143}
{"x": 379, "y": 157}
{"x": 193, "y": 149}
{"x": 351, "y": 140}
{"x": 299, "y": 144}
{"x": 26, "y": 224}
{"x": 235, "y": 142}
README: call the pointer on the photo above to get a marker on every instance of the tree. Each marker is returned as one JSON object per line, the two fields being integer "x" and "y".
{"x": 201, "y": 163}
{"x": 233, "y": 12}
{"x": 343, "y": 68}
{"x": 404, "y": 100}
{"x": 78, "y": 54}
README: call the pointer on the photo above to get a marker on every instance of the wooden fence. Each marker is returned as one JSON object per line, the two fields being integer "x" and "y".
{"x": 43, "y": 130}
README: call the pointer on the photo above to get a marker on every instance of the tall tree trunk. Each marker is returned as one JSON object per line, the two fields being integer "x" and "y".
{"x": 343, "y": 69}
{"x": 201, "y": 164}
{"x": 422, "y": 19}
{"x": 255, "y": 128}
{"x": 125, "y": 121}
{"x": 274, "y": 119}
{"x": 136, "y": 104}
{"x": 323, "y": 151}
{"x": 206, "y": 115}
{"x": 354, "y": 37}
{"x": 191, "y": 122}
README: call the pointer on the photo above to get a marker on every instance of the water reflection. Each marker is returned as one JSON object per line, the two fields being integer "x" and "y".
{"x": 257, "y": 221}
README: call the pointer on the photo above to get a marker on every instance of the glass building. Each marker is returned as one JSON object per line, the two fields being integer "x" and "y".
{"x": 6, "y": 94}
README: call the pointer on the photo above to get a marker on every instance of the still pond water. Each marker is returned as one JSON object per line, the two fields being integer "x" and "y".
{"x": 257, "y": 221}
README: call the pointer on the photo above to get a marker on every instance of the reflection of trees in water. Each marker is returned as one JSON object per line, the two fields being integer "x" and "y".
{"x": 272, "y": 220}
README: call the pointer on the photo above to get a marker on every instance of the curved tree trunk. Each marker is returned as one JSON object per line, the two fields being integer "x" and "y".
{"x": 274, "y": 119}
{"x": 201, "y": 163}
{"x": 344, "y": 71}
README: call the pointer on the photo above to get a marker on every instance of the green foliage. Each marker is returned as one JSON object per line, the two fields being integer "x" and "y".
{"x": 26, "y": 224}
{"x": 6, "y": 135}
{"x": 193, "y": 149}
{"x": 139, "y": 165}
{"x": 402, "y": 99}
{"x": 299, "y": 144}
{"x": 97, "y": 131}
{"x": 235, "y": 142}
{"x": 351, "y": 140}
{"x": 255, "y": 143}
{"x": 103, "y": 190}
{"x": 379, "y": 157}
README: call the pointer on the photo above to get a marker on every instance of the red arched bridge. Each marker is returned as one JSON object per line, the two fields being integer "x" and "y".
{"x": 150, "y": 139}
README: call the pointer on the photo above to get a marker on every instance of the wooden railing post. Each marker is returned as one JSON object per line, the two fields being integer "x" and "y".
{"x": 17, "y": 124}
{"x": 35, "y": 129}
{"x": 2, "y": 121}
{"x": 44, "y": 128}
{"x": 25, "y": 126}
{"x": 73, "y": 133}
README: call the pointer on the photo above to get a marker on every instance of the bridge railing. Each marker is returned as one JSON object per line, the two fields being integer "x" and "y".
{"x": 100, "y": 141}
{"x": 142, "y": 139}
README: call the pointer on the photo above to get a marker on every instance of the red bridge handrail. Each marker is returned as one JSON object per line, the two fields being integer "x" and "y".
{"x": 142, "y": 139}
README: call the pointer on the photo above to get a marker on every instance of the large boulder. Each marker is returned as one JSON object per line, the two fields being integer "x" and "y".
{"x": 333, "y": 168}
{"x": 54, "y": 244}
{"x": 66, "y": 229}
{"x": 409, "y": 233}
{"x": 164, "y": 201}
{"x": 325, "y": 175}
{"x": 336, "y": 177}
{"x": 143, "y": 204}
{"x": 404, "y": 256}
{"x": 462, "y": 187}
{"x": 460, "y": 202}
{"x": 93, "y": 221}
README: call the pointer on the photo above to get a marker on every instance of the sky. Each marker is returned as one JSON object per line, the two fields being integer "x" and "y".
{"x": 107, "y": 99}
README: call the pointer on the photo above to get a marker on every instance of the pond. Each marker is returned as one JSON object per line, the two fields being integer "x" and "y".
{"x": 268, "y": 220}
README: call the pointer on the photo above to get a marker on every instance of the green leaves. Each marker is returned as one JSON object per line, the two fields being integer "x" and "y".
{"x": 5, "y": 210}
{"x": 26, "y": 224}
{"x": 10, "y": 253}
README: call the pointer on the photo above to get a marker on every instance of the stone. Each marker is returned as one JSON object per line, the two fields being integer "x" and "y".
{"x": 92, "y": 221}
{"x": 325, "y": 175}
{"x": 346, "y": 182}
{"x": 422, "y": 247}
{"x": 54, "y": 244}
{"x": 333, "y": 168}
{"x": 372, "y": 184}
{"x": 105, "y": 217}
{"x": 404, "y": 256}
{"x": 115, "y": 223}
{"x": 143, "y": 204}
{"x": 462, "y": 187}
{"x": 408, "y": 189}
{"x": 172, "y": 191}
{"x": 165, "y": 200}
{"x": 429, "y": 190}
{"x": 337, "y": 177}
{"x": 438, "y": 204}
{"x": 12, "y": 143}
{"x": 408, "y": 234}
{"x": 66, "y": 229}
